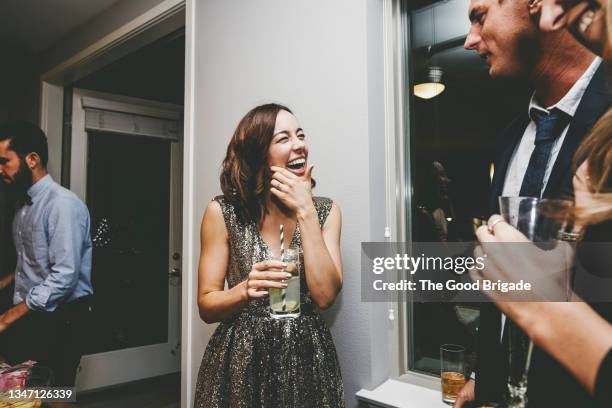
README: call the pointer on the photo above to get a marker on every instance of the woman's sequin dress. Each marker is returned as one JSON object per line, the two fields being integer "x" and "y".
{"x": 255, "y": 361}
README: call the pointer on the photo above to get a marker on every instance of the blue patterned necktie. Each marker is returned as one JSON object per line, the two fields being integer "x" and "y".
{"x": 549, "y": 127}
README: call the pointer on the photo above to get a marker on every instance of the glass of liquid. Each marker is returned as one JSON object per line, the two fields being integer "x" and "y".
{"x": 452, "y": 371}
{"x": 285, "y": 303}
{"x": 542, "y": 221}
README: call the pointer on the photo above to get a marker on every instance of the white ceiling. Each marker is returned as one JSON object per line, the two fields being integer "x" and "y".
{"x": 32, "y": 26}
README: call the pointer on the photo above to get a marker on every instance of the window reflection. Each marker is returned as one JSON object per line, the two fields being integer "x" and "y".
{"x": 452, "y": 142}
{"x": 129, "y": 200}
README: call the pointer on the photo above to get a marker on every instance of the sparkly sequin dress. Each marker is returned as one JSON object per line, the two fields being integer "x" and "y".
{"x": 255, "y": 361}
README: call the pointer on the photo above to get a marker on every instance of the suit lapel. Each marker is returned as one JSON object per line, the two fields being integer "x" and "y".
{"x": 509, "y": 140}
{"x": 594, "y": 103}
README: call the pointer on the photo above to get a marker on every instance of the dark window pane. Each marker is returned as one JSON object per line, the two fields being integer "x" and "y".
{"x": 128, "y": 193}
{"x": 452, "y": 143}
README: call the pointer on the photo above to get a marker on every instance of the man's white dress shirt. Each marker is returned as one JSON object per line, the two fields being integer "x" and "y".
{"x": 522, "y": 153}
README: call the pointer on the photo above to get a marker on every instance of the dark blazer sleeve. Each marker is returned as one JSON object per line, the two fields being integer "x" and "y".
{"x": 506, "y": 142}
{"x": 603, "y": 382}
{"x": 594, "y": 103}
{"x": 491, "y": 367}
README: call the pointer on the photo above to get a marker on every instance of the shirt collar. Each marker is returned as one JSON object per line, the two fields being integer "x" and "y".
{"x": 39, "y": 186}
{"x": 570, "y": 101}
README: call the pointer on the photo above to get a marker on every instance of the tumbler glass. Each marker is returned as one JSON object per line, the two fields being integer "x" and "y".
{"x": 452, "y": 371}
{"x": 542, "y": 221}
{"x": 285, "y": 303}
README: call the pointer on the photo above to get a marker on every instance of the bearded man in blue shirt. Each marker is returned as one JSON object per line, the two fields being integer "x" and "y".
{"x": 52, "y": 278}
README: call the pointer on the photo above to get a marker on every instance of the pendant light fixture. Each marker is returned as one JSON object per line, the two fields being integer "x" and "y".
{"x": 432, "y": 84}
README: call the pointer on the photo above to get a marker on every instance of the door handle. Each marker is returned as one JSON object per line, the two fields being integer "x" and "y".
{"x": 175, "y": 277}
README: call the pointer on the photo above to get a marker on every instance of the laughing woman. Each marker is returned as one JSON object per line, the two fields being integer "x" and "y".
{"x": 253, "y": 360}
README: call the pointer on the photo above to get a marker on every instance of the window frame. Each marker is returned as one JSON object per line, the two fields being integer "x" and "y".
{"x": 399, "y": 193}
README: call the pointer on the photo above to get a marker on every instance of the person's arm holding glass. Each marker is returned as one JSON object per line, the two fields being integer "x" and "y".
{"x": 580, "y": 346}
{"x": 214, "y": 302}
{"x": 583, "y": 347}
{"x": 321, "y": 245}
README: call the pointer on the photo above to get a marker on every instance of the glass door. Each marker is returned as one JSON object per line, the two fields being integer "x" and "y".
{"x": 127, "y": 165}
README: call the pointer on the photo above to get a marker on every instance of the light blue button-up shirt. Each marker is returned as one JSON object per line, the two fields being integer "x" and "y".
{"x": 54, "y": 249}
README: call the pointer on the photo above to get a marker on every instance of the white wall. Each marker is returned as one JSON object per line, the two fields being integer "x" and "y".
{"x": 322, "y": 59}
{"x": 379, "y": 326}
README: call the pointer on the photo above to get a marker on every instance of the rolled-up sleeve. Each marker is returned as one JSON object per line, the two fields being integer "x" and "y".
{"x": 67, "y": 226}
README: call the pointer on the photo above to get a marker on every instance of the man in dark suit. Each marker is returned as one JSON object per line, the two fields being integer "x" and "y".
{"x": 533, "y": 158}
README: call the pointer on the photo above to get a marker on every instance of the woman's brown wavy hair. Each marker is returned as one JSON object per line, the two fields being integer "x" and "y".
{"x": 597, "y": 149}
{"x": 245, "y": 175}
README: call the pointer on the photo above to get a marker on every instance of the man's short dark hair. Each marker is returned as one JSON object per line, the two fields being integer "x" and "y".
{"x": 25, "y": 138}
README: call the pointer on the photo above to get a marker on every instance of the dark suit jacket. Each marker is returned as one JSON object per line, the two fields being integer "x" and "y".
{"x": 549, "y": 383}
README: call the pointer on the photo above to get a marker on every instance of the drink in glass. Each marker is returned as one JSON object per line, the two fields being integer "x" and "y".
{"x": 542, "y": 221}
{"x": 452, "y": 371}
{"x": 285, "y": 303}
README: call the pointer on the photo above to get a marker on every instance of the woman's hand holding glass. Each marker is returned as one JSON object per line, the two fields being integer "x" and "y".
{"x": 264, "y": 275}
{"x": 510, "y": 257}
{"x": 293, "y": 191}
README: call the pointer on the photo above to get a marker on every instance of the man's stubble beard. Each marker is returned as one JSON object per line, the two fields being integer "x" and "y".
{"x": 22, "y": 180}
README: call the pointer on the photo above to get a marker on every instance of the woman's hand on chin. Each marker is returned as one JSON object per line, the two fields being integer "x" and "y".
{"x": 293, "y": 191}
